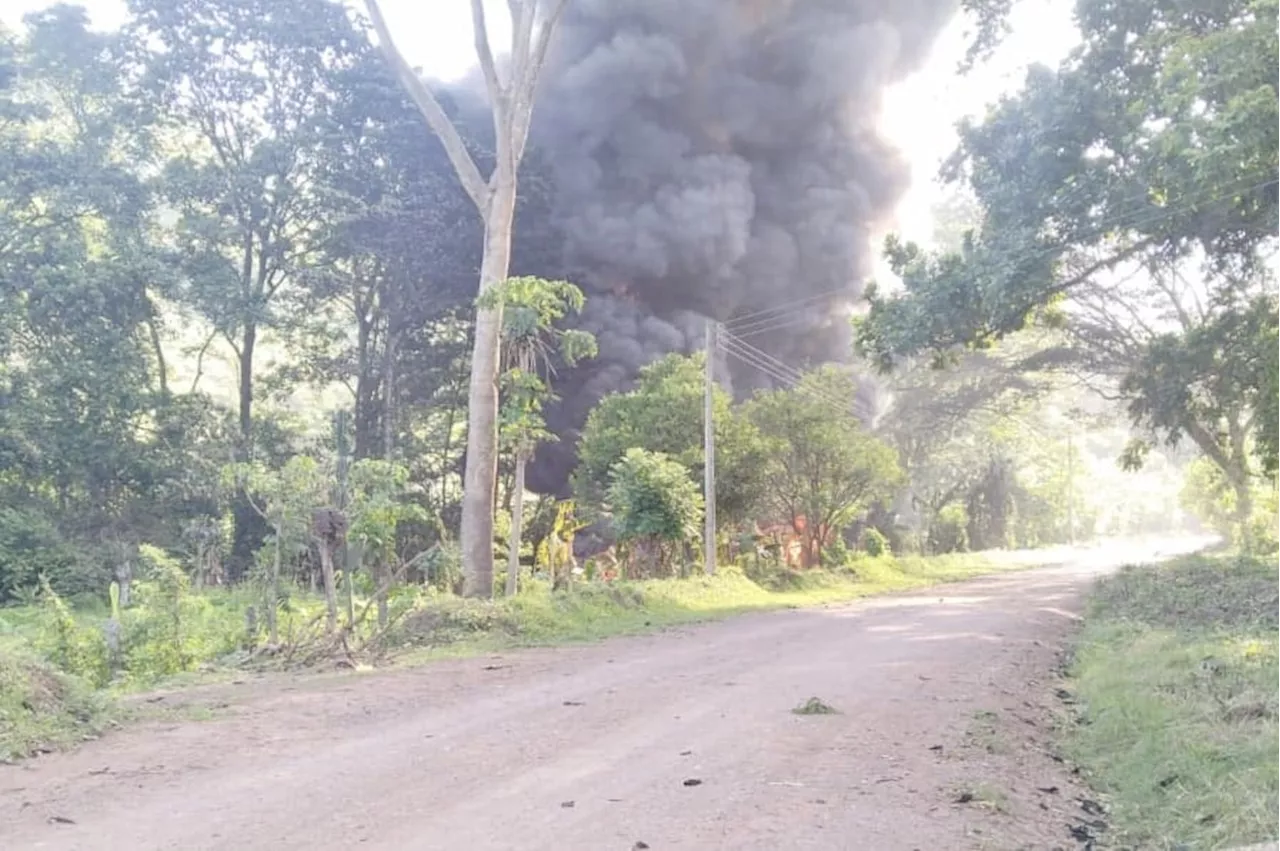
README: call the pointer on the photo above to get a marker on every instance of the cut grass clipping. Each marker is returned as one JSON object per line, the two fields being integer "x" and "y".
{"x": 1175, "y": 677}
{"x": 815, "y": 706}
{"x": 42, "y": 708}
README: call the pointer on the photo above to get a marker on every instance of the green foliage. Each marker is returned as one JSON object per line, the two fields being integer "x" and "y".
{"x": 42, "y": 707}
{"x": 823, "y": 468}
{"x": 1150, "y": 152}
{"x": 1208, "y": 496}
{"x": 1265, "y": 382}
{"x": 948, "y": 533}
{"x": 873, "y": 543}
{"x": 378, "y": 492}
{"x": 92, "y": 441}
{"x": 836, "y": 554}
{"x": 31, "y": 547}
{"x": 441, "y": 566}
{"x": 532, "y": 345}
{"x": 1147, "y": 142}
{"x": 285, "y": 497}
{"x": 652, "y": 496}
{"x": 664, "y": 413}
{"x": 155, "y": 640}
{"x": 74, "y": 648}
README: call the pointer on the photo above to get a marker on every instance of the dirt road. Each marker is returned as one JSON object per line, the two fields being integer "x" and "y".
{"x": 684, "y": 739}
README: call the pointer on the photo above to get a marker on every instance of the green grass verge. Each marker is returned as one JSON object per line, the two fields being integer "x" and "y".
{"x": 1176, "y": 678}
{"x": 592, "y": 611}
{"x": 41, "y": 708}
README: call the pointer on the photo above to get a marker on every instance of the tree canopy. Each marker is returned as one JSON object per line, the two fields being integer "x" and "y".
{"x": 1155, "y": 141}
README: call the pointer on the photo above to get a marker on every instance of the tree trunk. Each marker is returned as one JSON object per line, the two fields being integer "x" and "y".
{"x": 1244, "y": 507}
{"x": 330, "y": 588}
{"x": 247, "y": 535}
{"x": 245, "y": 388}
{"x": 366, "y": 391}
{"x": 517, "y": 520}
{"x": 389, "y": 394}
{"x": 354, "y": 559}
{"x": 124, "y": 577}
{"x": 380, "y": 578}
{"x": 273, "y": 604}
{"x": 482, "y": 399}
{"x": 162, "y": 368}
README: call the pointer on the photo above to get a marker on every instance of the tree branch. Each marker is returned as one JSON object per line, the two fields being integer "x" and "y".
{"x": 532, "y": 73}
{"x": 473, "y": 183}
{"x": 484, "y": 53}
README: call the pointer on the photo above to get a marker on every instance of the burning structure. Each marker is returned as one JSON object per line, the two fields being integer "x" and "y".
{"x": 716, "y": 158}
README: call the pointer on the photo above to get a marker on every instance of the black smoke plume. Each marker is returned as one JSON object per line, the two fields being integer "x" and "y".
{"x": 715, "y": 158}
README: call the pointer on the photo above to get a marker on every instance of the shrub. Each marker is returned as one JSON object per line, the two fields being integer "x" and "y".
{"x": 76, "y": 649}
{"x": 41, "y": 707}
{"x": 836, "y": 554}
{"x": 949, "y": 532}
{"x": 874, "y": 543}
{"x": 655, "y": 505}
{"x": 31, "y": 547}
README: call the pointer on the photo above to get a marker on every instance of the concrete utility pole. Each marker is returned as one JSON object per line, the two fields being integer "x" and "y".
{"x": 709, "y": 451}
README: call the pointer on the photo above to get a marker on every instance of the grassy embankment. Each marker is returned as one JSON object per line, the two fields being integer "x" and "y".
{"x": 47, "y": 699}
{"x": 1175, "y": 675}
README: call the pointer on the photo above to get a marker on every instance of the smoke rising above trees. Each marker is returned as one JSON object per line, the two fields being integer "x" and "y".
{"x": 713, "y": 159}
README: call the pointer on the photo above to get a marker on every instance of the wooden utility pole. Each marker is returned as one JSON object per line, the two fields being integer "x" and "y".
{"x": 709, "y": 452}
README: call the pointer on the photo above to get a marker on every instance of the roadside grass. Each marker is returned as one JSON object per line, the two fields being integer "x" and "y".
{"x": 592, "y": 611}
{"x": 1175, "y": 677}
{"x": 42, "y": 708}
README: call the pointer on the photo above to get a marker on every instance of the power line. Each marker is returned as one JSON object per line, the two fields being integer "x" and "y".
{"x": 757, "y": 315}
{"x": 731, "y": 347}
{"x": 747, "y": 322}
{"x": 780, "y": 371}
{"x": 755, "y": 330}
{"x": 730, "y": 337}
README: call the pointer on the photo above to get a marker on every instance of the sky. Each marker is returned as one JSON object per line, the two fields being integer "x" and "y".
{"x": 919, "y": 115}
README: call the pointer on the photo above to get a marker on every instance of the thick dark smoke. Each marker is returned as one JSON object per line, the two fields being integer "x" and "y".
{"x": 719, "y": 158}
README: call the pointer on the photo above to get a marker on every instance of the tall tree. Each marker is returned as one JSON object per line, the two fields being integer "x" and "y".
{"x": 1156, "y": 139}
{"x": 399, "y": 253}
{"x": 511, "y": 88}
{"x": 1214, "y": 383}
{"x": 242, "y": 87}
{"x": 533, "y": 345}
{"x": 92, "y": 440}
{"x": 824, "y": 468}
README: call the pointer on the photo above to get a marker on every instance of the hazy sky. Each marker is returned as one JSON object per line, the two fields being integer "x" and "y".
{"x": 919, "y": 115}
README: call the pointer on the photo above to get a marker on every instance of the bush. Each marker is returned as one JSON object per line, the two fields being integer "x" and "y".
{"x": 41, "y": 707}
{"x": 74, "y": 648}
{"x": 836, "y": 554}
{"x": 949, "y": 532}
{"x": 655, "y": 504}
{"x": 442, "y": 566}
{"x": 873, "y": 543}
{"x": 32, "y": 547}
